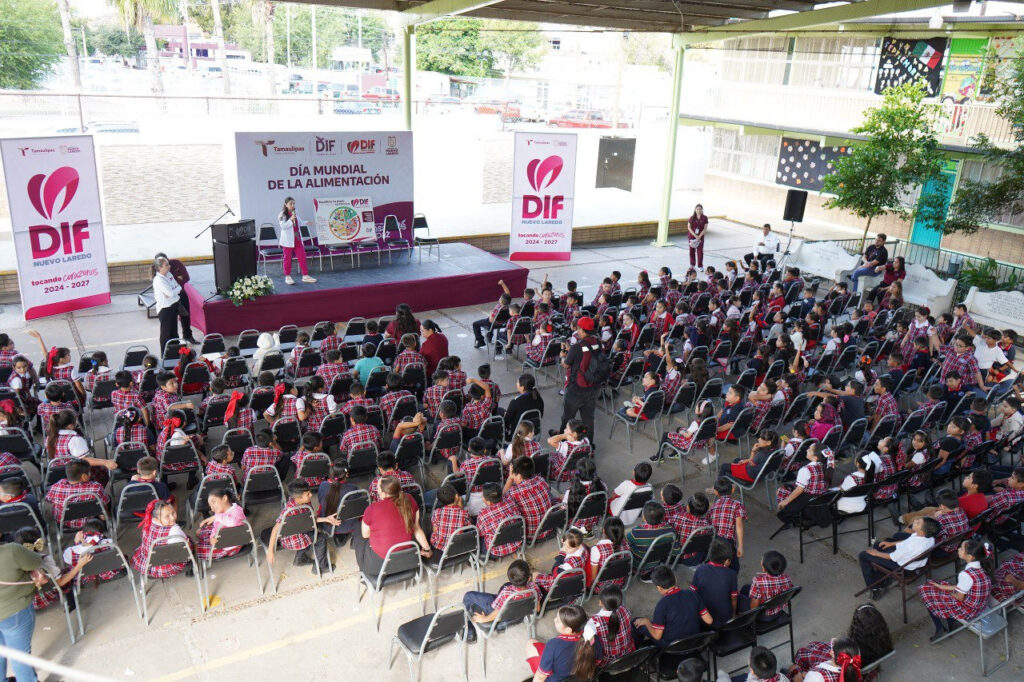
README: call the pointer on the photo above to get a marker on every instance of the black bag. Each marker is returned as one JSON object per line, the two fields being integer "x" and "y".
{"x": 595, "y": 368}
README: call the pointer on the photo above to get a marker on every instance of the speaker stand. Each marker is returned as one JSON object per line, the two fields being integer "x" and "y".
{"x": 786, "y": 253}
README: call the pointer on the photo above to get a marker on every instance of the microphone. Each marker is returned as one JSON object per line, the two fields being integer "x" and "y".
{"x": 229, "y": 209}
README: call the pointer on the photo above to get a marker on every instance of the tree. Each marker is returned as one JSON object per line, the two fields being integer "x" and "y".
{"x": 116, "y": 41}
{"x": 514, "y": 45}
{"x": 69, "y": 43}
{"x": 141, "y": 14}
{"x": 977, "y": 204}
{"x": 462, "y": 46}
{"x": 901, "y": 153}
{"x": 30, "y": 42}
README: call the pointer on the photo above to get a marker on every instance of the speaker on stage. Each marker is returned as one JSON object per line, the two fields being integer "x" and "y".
{"x": 796, "y": 202}
{"x": 232, "y": 261}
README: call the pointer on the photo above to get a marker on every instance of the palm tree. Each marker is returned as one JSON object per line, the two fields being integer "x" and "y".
{"x": 267, "y": 16}
{"x": 69, "y": 43}
{"x": 218, "y": 31}
{"x": 141, "y": 13}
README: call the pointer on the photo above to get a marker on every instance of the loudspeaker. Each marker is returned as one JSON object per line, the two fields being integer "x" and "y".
{"x": 796, "y": 201}
{"x": 233, "y": 261}
{"x": 241, "y": 231}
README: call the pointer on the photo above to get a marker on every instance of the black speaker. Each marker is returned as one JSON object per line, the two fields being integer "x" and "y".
{"x": 228, "y": 233}
{"x": 796, "y": 202}
{"x": 232, "y": 262}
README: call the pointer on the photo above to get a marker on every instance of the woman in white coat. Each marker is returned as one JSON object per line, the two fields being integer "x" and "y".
{"x": 289, "y": 236}
{"x": 166, "y": 292}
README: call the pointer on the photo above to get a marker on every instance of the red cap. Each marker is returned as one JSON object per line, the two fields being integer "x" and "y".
{"x": 586, "y": 324}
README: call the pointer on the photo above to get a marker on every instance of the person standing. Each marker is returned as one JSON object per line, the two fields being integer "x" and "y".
{"x": 167, "y": 294}
{"x": 290, "y": 241}
{"x": 180, "y": 274}
{"x": 580, "y": 394}
{"x": 697, "y": 227}
{"x": 19, "y": 575}
{"x": 765, "y": 248}
{"x": 876, "y": 254}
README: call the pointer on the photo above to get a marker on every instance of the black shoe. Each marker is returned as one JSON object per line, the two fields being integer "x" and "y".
{"x": 939, "y": 634}
{"x": 877, "y": 593}
{"x": 341, "y": 540}
{"x": 470, "y": 634}
{"x": 302, "y": 560}
{"x": 479, "y": 344}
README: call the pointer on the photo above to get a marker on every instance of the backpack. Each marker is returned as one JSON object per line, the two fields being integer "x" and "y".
{"x": 595, "y": 368}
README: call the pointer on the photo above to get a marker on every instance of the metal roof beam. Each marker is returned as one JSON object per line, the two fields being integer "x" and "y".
{"x": 589, "y": 19}
{"x": 441, "y": 9}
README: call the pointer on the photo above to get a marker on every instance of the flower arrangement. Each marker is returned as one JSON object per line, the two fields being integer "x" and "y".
{"x": 249, "y": 288}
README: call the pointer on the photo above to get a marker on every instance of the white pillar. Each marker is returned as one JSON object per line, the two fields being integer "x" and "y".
{"x": 408, "y": 69}
{"x": 670, "y": 154}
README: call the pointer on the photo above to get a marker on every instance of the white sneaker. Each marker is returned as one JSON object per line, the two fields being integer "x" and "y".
{"x": 308, "y": 280}
{"x": 288, "y": 279}
{"x": 709, "y": 459}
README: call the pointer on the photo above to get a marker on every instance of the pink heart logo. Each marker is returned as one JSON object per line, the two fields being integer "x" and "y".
{"x": 43, "y": 191}
{"x": 541, "y": 174}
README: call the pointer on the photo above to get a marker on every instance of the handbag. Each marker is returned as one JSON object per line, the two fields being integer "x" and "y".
{"x": 695, "y": 243}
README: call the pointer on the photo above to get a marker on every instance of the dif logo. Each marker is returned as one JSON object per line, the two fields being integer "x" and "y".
{"x": 542, "y": 174}
{"x": 362, "y": 146}
{"x": 43, "y": 192}
{"x": 324, "y": 145}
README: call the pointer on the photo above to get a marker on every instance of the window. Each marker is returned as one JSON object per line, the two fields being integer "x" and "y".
{"x": 753, "y": 156}
{"x": 840, "y": 63}
{"x": 980, "y": 171}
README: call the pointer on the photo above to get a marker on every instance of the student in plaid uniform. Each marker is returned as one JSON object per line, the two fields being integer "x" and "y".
{"x": 217, "y": 395}
{"x": 960, "y": 358}
{"x": 99, "y": 369}
{"x": 159, "y": 526}
{"x": 952, "y": 522}
{"x": 7, "y": 350}
{"x": 126, "y": 395}
{"x": 478, "y": 455}
{"x": 456, "y": 377}
{"x": 477, "y": 410}
{"x": 448, "y": 516}
{"x": 53, "y": 404}
{"x": 387, "y": 466}
{"x": 611, "y": 625}
{"x": 395, "y": 393}
{"x": 727, "y": 516}
{"x": 495, "y": 511}
{"x": 332, "y": 367}
{"x": 219, "y": 465}
{"x": 92, "y": 538}
{"x": 433, "y": 396}
{"x": 1009, "y": 578}
{"x": 172, "y": 433}
{"x": 568, "y": 444}
{"x": 311, "y": 449}
{"x": 685, "y": 518}
{"x": 332, "y": 341}
{"x": 226, "y": 513}
{"x": 885, "y": 404}
{"x": 961, "y": 318}
{"x": 166, "y": 396}
{"x": 357, "y": 398}
{"x": 613, "y": 540}
{"x": 238, "y": 414}
{"x": 58, "y": 365}
{"x": 264, "y": 453}
{"x": 810, "y": 481}
{"x": 571, "y": 555}
{"x": 315, "y": 404}
{"x": 150, "y": 365}
{"x": 528, "y": 492}
{"x": 484, "y": 374}
{"x": 1011, "y": 494}
{"x": 359, "y": 432}
{"x": 65, "y": 444}
{"x": 299, "y": 497}
{"x": 768, "y": 584}
{"x": 484, "y": 607}
{"x": 301, "y": 344}
{"x": 285, "y": 405}
{"x": 128, "y": 428}
{"x": 968, "y": 597}
{"x": 481, "y": 326}
{"x": 409, "y": 354}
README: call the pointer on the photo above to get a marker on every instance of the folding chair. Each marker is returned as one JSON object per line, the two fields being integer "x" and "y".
{"x": 235, "y": 536}
{"x": 171, "y": 355}
{"x": 650, "y": 411}
{"x": 169, "y": 552}
{"x": 462, "y": 549}
{"x": 766, "y": 474}
{"x": 903, "y": 577}
{"x": 17, "y": 515}
{"x": 705, "y": 432}
{"x": 362, "y": 460}
{"x": 426, "y": 633}
{"x": 401, "y": 564}
{"x": 447, "y": 438}
{"x": 658, "y": 552}
{"x": 238, "y": 440}
{"x": 126, "y": 456}
{"x": 626, "y": 666}
{"x": 517, "y": 610}
{"x": 105, "y": 558}
{"x": 618, "y": 566}
{"x": 246, "y": 342}
{"x": 510, "y": 531}
{"x": 783, "y": 620}
{"x": 196, "y": 505}
{"x": 552, "y": 524}
{"x": 697, "y": 544}
{"x": 695, "y": 646}
{"x": 632, "y": 373}
{"x": 16, "y": 441}
{"x": 394, "y": 238}
{"x": 133, "y": 357}
{"x": 131, "y": 503}
{"x": 569, "y": 587}
{"x": 78, "y": 507}
{"x": 636, "y": 500}
{"x": 301, "y": 520}
{"x": 184, "y": 453}
{"x": 865, "y": 490}
{"x": 267, "y": 248}
{"x": 738, "y": 634}
{"x": 262, "y": 485}
{"x": 99, "y": 399}
{"x": 986, "y": 625}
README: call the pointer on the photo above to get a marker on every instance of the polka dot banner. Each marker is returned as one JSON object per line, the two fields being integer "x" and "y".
{"x": 805, "y": 163}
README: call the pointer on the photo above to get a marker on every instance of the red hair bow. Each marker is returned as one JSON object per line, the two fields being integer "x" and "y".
{"x": 170, "y": 424}
{"x": 147, "y": 518}
{"x": 229, "y": 411}
{"x": 7, "y": 406}
{"x": 844, "y": 660}
{"x": 184, "y": 350}
{"x": 51, "y": 355}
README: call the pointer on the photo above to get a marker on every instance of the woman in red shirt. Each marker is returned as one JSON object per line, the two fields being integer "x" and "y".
{"x": 697, "y": 227}
{"x": 891, "y": 272}
{"x": 393, "y": 519}
{"x": 404, "y": 323}
{"x": 435, "y": 346}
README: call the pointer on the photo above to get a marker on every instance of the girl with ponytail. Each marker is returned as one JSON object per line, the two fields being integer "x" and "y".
{"x": 864, "y": 475}
{"x": 238, "y": 414}
{"x": 284, "y": 405}
{"x": 611, "y": 627}
{"x": 968, "y": 597}
{"x": 843, "y": 666}
{"x": 58, "y": 365}
{"x": 99, "y": 369}
{"x": 64, "y": 444}
{"x": 159, "y": 526}
{"x": 567, "y": 656}
{"x": 613, "y": 539}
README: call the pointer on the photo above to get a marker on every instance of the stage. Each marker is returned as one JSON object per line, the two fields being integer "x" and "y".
{"x": 465, "y": 275}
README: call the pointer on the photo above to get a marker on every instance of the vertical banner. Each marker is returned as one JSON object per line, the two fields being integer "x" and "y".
{"x": 54, "y": 199}
{"x": 543, "y": 187}
{"x": 321, "y": 165}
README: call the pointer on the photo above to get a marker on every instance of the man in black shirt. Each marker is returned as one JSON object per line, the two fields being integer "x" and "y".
{"x": 875, "y": 255}
{"x": 580, "y": 397}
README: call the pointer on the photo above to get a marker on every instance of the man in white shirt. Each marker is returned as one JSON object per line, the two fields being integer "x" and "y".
{"x": 901, "y": 550}
{"x": 765, "y": 247}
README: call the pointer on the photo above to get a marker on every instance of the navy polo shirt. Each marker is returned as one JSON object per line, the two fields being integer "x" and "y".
{"x": 730, "y": 412}
{"x": 677, "y": 614}
{"x": 558, "y": 656}
{"x": 716, "y": 585}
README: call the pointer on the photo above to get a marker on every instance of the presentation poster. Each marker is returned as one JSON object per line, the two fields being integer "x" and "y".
{"x": 54, "y": 199}
{"x": 310, "y": 165}
{"x": 543, "y": 187}
{"x": 344, "y": 221}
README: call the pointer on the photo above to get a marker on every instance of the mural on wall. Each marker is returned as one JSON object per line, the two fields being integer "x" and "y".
{"x": 998, "y": 63}
{"x": 962, "y": 82}
{"x": 908, "y": 61}
{"x": 805, "y": 163}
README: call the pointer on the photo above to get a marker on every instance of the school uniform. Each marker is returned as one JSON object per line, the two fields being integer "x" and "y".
{"x": 562, "y": 563}
{"x": 612, "y": 646}
{"x": 763, "y": 587}
{"x": 903, "y": 554}
{"x": 677, "y": 614}
{"x": 152, "y": 536}
{"x": 599, "y": 554}
{"x": 972, "y": 582}
{"x": 557, "y": 657}
{"x": 532, "y": 499}
{"x": 619, "y": 498}
{"x": 717, "y": 586}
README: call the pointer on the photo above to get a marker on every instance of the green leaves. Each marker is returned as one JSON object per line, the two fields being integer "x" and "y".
{"x": 31, "y": 42}
{"x": 477, "y": 47}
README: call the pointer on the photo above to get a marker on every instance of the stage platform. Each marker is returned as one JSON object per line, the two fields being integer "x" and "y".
{"x": 465, "y": 275}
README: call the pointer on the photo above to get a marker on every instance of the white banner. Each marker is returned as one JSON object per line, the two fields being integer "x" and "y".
{"x": 54, "y": 199}
{"x": 309, "y": 166}
{"x": 344, "y": 221}
{"x": 543, "y": 187}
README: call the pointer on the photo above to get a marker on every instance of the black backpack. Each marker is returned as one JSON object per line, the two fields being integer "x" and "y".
{"x": 595, "y": 368}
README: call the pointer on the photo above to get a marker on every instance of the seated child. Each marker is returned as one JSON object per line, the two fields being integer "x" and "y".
{"x": 639, "y": 482}
{"x": 769, "y": 583}
{"x": 226, "y": 514}
{"x": 299, "y": 496}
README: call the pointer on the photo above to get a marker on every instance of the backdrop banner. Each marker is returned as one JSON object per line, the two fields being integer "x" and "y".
{"x": 54, "y": 199}
{"x": 344, "y": 221}
{"x": 543, "y": 187}
{"x": 312, "y": 165}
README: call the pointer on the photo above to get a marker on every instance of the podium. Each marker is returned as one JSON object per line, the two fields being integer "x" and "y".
{"x": 234, "y": 252}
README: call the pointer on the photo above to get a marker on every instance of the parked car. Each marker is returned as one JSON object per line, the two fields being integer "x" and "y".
{"x": 357, "y": 108}
{"x": 494, "y": 105}
{"x": 100, "y": 128}
{"x": 583, "y": 118}
{"x": 515, "y": 112}
{"x": 379, "y": 94}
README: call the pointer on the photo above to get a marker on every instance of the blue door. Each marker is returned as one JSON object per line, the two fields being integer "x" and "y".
{"x": 924, "y": 232}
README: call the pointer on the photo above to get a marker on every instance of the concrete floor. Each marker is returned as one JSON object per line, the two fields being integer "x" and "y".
{"x": 317, "y": 630}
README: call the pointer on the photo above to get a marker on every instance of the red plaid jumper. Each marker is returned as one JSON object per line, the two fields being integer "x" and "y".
{"x": 510, "y": 592}
{"x": 1001, "y": 502}
{"x": 329, "y": 371}
{"x": 136, "y": 433}
{"x": 815, "y": 485}
{"x": 536, "y": 352}
{"x": 489, "y": 520}
{"x": 123, "y": 398}
{"x": 244, "y": 418}
{"x": 943, "y": 604}
{"x": 62, "y": 450}
{"x": 764, "y": 587}
{"x": 915, "y": 480}
{"x": 317, "y": 410}
{"x": 161, "y": 446}
{"x": 332, "y": 342}
{"x": 404, "y": 479}
{"x": 673, "y": 381}
{"x": 62, "y": 373}
{"x": 760, "y": 410}
{"x": 218, "y": 470}
{"x": 959, "y": 322}
{"x": 257, "y": 456}
{"x": 475, "y": 413}
{"x": 408, "y": 357}
{"x": 7, "y": 356}
{"x": 558, "y": 458}
{"x": 47, "y": 410}
{"x": 723, "y": 515}
{"x": 886, "y": 405}
{"x": 205, "y": 550}
{"x": 63, "y": 492}
{"x": 1012, "y": 567}
{"x": 964, "y": 363}
{"x": 495, "y": 391}
{"x": 356, "y": 435}
{"x": 152, "y": 536}
{"x": 951, "y": 524}
{"x": 619, "y": 645}
{"x": 301, "y": 456}
{"x": 533, "y": 499}
{"x": 807, "y": 657}
{"x": 971, "y": 440}
{"x": 605, "y": 549}
{"x": 287, "y": 408}
{"x": 886, "y": 470}
{"x": 299, "y": 541}
{"x": 445, "y": 521}
{"x": 9, "y": 460}
{"x": 432, "y": 399}
{"x": 562, "y": 563}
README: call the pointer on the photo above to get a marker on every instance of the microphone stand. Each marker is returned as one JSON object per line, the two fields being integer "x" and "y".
{"x": 786, "y": 253}
{"x": 215, "y": 221}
